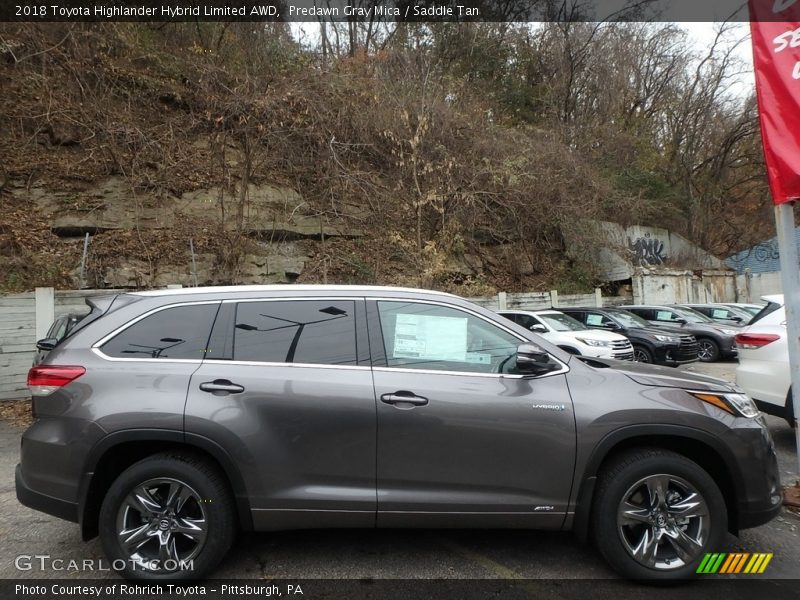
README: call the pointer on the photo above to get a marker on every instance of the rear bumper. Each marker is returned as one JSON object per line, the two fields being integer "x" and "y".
{"x": 765, "y": 380}
{"x": 42, "y": 502}
{"x": 771, "y": 409}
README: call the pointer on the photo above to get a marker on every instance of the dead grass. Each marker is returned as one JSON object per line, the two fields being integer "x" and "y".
{"x": 16, "y": 413}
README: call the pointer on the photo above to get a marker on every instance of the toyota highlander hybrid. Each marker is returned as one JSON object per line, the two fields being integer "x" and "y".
{"x": 168, "y": 420}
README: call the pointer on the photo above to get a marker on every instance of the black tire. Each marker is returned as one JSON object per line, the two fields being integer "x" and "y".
{"x": 615, "y": 539}
{"x": 642, "y": 355}
{"x": 205, "y": 507}
{"x": 708, "y": 351}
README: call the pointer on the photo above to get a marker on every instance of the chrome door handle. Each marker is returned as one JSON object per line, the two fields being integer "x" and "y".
{"x": 404, "y": 398}
{"x": 221, "y": 387}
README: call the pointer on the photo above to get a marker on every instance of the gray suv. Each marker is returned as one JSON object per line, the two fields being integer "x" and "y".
{"x": 168, "y": 420}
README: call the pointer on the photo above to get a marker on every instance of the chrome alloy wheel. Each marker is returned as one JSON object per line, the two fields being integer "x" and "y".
{"x": 161, "y": 524}
{"x": 663, "y": 522}
{"x": 705, "y": 350}
{"x": 640, "y": 356}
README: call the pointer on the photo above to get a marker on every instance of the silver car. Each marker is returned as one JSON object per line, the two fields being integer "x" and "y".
{"x": 169, "y": 419}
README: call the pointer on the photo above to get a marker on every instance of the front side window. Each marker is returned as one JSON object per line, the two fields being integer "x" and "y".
{"x": 180, "y": 332}
{"x": 433, "y": 337}
{"x": 296, "y": 331}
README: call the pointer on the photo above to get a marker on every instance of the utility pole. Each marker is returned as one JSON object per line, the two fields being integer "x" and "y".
{"x": 790, "y": 279}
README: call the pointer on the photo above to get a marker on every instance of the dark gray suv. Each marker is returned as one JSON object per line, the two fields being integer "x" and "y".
{"x": 168, "y": 420}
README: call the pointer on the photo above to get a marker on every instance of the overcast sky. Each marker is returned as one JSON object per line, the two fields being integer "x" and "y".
{"x": 704, "y": 34}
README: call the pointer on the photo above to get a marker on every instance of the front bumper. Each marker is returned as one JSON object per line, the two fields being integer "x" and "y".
{"x": 42, "y": 502}
{"x": 674, "y": 354}
{"x": 757, "y": 476}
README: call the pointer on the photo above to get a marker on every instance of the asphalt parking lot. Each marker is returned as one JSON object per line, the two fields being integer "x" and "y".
{"x": 370, "y": 554}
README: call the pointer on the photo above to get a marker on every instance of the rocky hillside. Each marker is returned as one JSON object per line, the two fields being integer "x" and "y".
{"x": 391, "y": 160}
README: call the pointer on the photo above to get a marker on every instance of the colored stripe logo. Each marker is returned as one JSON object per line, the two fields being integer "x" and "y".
{"x": 734, "y": 563}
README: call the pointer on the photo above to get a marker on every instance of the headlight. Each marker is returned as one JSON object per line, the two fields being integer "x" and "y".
{"x": 667, "y": 338}
{"x": 728, "y": 331}
{"x": 595, "y": 343}
{"x": 733, "y": 403}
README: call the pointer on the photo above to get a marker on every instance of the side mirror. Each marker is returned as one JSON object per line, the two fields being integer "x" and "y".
{"x": 737, "y": 319}
{"x": 610, "y": 325}
{"x": 539, "y": 328}
{"x": 532, "y": 360}
{"x": 46, "y": 344}
{"x": 681, "y": 321}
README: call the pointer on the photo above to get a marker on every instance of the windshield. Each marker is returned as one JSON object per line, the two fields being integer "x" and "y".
{"x": 628, "y": 319}
{"x": 561, "y": 322}
{"x": 692, "y": 316}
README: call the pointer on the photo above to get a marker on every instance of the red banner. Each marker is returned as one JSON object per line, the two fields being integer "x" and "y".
{"x": 775, "y": 26}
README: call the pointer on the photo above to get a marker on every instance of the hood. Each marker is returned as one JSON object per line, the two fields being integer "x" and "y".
{"x": 705, "y": 327}
{"x": 668, "y": 329}
{"x": 658, "y": 330}
{"x": 652, "y": 375}
{"x": 595, "y": 334}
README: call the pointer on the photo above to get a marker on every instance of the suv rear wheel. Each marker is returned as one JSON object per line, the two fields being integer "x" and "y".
{"x": 656, "y": 514}
{"x": 169, "y": 516}
{"x": 708, "y": 350}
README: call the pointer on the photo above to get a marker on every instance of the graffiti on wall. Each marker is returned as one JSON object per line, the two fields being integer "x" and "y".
{"x": 649, "y": 251}
{"x": 767, "y": 251}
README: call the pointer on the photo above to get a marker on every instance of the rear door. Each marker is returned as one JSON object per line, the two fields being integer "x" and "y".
{"x": 461, "y": 441}
{"x": 287, "y": 391}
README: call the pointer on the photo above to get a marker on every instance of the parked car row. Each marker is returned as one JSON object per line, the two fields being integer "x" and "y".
{"x": 665, "y": 335}
{"x": 715, "y": 340}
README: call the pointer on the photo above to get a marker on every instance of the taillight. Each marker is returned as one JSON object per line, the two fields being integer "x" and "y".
{"x": 753, "y": 341}
{"x": 46, "y": 379}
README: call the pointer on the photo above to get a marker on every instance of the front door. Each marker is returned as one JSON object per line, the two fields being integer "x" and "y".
{"x": 461, "y": 440}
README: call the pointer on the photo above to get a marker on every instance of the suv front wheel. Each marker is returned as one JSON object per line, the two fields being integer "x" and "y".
{"x": 169, "y": 516}
{"x": 657, "y": 514}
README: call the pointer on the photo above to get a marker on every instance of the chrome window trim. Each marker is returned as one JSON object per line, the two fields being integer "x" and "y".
{"x": 292, "y": 299}
{"x": 255, "y": 363}
{"x": 193, "y": 361}
{"x": 564, "y": 367}
{"x": 96, "y": 347}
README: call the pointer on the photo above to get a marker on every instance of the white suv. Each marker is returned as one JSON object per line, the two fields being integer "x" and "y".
{"x": 763, "y": 371}
{"x": 571, "y": 335}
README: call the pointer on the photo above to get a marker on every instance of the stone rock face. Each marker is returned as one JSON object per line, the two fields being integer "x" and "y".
{"x": 279, "y": 263}
{"x": 274, "y": 217}
{"x": 270, "y": 212}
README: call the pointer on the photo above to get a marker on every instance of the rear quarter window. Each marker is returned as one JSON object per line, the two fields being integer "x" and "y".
{"x": 767, "y": 310}
{"x": 180, "y": 332}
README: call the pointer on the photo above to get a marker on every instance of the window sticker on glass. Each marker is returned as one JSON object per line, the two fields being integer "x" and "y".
{"x": 663, "y": 315}
{"x": 596, "y": 320}
{"x": 430, "y": 338}
{"x": 720, "y": 313}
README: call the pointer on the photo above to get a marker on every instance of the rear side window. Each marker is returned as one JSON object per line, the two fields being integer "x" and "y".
{"x": 296, "y": 331}
{"x": 175, "y": 333}
{"x": 768, "y": 309}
